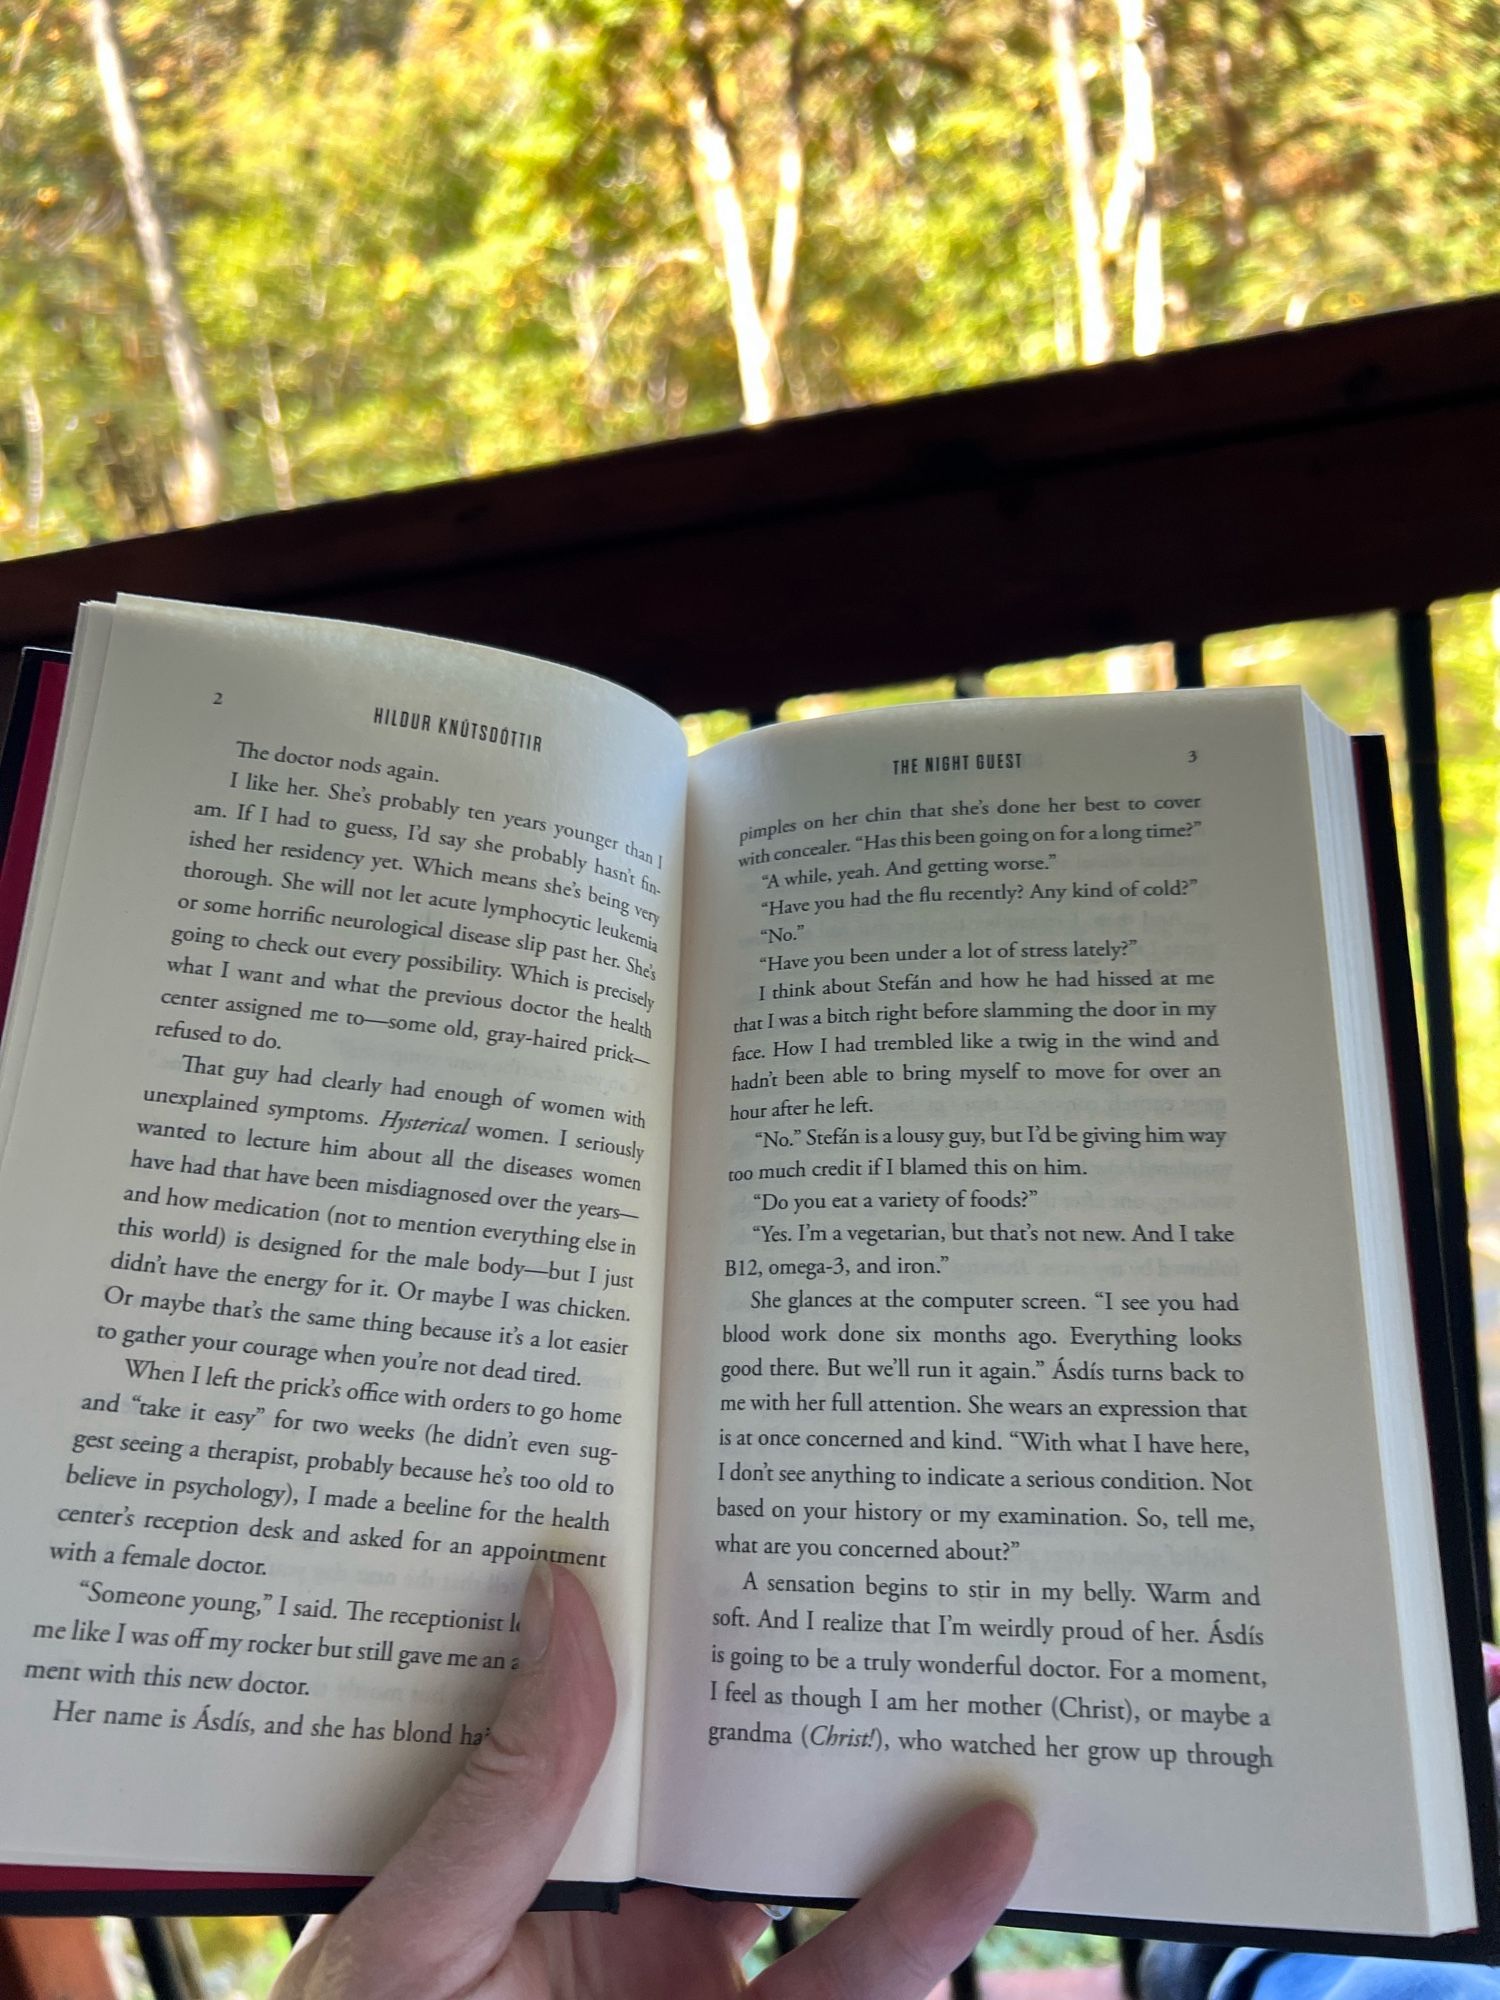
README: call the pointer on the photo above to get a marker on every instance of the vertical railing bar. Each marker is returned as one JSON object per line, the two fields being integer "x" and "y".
{"x": 963, "y": 1981}
{"x": 159, "y": 1959}
{"x": 1419, "y": 711}
{"x": 1187, "y": 662}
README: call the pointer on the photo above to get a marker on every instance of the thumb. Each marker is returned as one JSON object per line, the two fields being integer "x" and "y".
{"x": 441, "y": 1912}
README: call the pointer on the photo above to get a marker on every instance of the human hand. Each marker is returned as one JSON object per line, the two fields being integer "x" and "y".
{"x": 446, "y": 1919}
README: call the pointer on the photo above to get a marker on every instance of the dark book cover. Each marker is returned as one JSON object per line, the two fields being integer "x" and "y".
{"x": 18, "y": 712}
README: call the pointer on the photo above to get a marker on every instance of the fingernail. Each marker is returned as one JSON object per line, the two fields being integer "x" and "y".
{"x": 536, "y": 1615}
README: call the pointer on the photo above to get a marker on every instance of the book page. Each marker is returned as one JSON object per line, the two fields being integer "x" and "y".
{"x": 332, "y": 1209}
{"x": 1017, "y": 1421}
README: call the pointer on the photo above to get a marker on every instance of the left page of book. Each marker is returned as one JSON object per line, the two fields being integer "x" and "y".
{"x": 332, "y": 1203}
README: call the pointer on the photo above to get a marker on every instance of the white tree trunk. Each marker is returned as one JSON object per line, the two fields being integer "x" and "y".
{"x": 786, "y": 230}
{"x": 757, "y": 321}
{"x": 1097, "y": 342}
{"x": 1138, "y": 670}
{"x": 277, "y": 455}
{"x": 36, "y": 456}
{"x": 202, "y": 454}
{"x": 1234, "y": 173}
{"x": 760, "y": 376}
{"x": 1490, "y": 927}
{"x": 1133, "y": 192}
{"x": 1149, "y": 303}
{"x": 1143, "y": 54}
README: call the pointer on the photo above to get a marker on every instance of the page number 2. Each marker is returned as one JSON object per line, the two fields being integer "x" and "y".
{"x": 219, "y": 702}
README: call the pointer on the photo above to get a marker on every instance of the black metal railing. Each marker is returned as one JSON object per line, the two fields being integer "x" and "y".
{"x": 1294, "y": 477}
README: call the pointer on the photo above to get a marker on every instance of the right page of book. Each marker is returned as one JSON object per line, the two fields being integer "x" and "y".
{"x": 1018, "y": 1435}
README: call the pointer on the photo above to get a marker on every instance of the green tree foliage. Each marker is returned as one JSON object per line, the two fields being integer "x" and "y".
{"x": 428, "y": 237}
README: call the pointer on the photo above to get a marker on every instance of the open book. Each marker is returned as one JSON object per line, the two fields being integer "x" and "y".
{"x": 907, "y": 1205}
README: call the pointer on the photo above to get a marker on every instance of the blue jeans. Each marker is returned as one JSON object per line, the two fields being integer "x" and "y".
{"x": 1307, "y": 1976}
{"x": 1203, "y": 1972}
